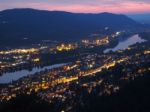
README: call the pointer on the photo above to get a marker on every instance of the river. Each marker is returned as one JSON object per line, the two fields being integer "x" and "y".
{"x": 124, "y": 44}
{"x": 13, "y": 76}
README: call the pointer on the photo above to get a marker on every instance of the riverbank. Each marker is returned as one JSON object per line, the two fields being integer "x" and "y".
{"x": 126, "y": 43}
{"x": 9, "y": 77}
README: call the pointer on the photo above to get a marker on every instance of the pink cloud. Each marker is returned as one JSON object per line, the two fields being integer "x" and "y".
{"x": 124, "y": 7}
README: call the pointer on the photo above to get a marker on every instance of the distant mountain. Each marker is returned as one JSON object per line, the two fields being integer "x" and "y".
{"x": 143, "y": 18}
{"x": 57, "y": 25}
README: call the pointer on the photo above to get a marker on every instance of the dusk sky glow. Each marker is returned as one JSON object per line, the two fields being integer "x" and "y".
{"x": 81, "y": 6}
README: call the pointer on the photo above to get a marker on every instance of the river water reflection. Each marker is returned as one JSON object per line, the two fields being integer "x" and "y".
{"x": 124, "y": 44}
{"x": 8, "y": 77}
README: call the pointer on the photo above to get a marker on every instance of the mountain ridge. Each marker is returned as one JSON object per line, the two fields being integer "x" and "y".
{"x": 57, "y": 25}
{"x": 143, "y": 18}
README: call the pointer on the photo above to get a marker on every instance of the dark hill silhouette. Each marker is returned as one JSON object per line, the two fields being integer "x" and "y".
{"x": 57, "y": 25}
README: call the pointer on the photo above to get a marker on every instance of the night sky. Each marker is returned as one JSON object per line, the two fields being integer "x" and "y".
{"x": 84, "y": 6}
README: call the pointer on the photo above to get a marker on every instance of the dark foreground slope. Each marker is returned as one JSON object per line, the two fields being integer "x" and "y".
{"x": 24, "y": 103}
{"x": 57, "y": 25}
{"x": 134, "y": 97}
